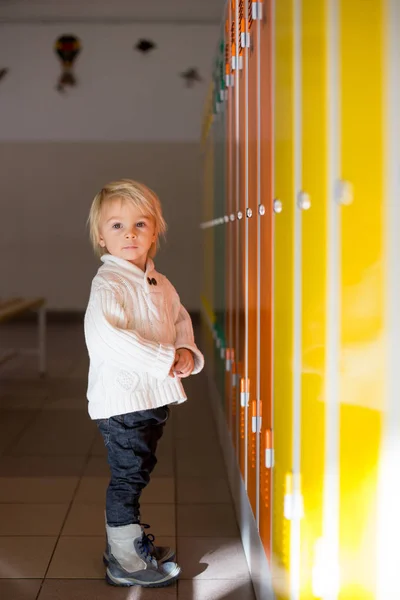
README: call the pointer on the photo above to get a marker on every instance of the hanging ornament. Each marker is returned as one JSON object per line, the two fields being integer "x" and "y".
{"x": 145, "y": 46}
{"x": 67, "y": 47}
{"x": 3, "y": 73}
{"x": 191, "y": 76}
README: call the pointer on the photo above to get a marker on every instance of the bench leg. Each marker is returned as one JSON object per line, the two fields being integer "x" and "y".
{"x": 42, "y": 340}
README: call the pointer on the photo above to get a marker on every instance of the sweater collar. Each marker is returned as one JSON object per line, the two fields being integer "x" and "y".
{"x": 124, "y": 267}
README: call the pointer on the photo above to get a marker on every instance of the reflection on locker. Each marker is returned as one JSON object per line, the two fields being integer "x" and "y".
{"x": 301, "y": 290}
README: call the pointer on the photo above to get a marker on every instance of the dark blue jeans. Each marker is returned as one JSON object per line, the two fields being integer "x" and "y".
{"x": 131, "y": 441}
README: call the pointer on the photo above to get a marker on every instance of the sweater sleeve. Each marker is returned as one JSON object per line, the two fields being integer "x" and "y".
{"x": 185, "y": 338}
{"x": 105, "y": 335}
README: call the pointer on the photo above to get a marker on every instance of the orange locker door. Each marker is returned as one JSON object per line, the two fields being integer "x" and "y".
{"x": 253, "y": 422}
{"x": 263, "y": 39}
{"x": 235, "y": 374}
{"x": 241, "y": 183}
{"x": 230, "y": 206}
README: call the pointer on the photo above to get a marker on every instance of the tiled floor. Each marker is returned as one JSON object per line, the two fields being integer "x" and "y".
{"x": 53, "y": 476}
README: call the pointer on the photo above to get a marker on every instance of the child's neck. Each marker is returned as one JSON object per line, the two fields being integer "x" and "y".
{"x": 141, "y": 264}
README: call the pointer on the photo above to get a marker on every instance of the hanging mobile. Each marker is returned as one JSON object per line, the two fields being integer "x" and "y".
{"x": 67, "y": 47}
{"x": 191, "y": 76}
{"x": 3, "y": 73}
{"x": 145, "y": 46}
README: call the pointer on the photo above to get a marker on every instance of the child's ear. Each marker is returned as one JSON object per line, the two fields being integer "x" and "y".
{"x": 102, "y": 242}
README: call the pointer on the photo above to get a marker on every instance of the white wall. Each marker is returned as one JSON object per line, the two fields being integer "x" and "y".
{"x": 175, "y": 11}
{"x": 122, "y": 95}
{"x": 130, "y": 116}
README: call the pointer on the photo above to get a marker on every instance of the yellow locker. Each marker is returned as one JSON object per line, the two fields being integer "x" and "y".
{"x": 262, "y": 36}
{"x": 314, "y": 156}
{"x": 283, "y": 287}
{"x": 361, "y": 300}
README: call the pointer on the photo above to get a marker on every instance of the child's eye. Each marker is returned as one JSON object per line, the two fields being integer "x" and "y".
{"x": 141, "y": 224}
{"x": 117, "y": 226}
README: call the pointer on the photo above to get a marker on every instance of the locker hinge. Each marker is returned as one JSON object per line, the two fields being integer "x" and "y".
{"x": 269, "y": 449}
{"x": 256, "y": 423}
{"x": 256, "y": 420}
{"x": 245, "y": 39}
{"x": 228, "y": 360}
{"x": 293, "y": 507}
{"x": 229, "y": 80}
{"x": 244, "y": 392}
{"x": 222, "y": 95}
{"x": 237, "y": 63}
{"x": 256, "y": 11}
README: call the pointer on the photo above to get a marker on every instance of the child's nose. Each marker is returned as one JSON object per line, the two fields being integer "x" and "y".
{"x": 131, "y": 233}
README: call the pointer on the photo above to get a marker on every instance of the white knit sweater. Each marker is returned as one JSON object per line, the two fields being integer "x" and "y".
{"x": 132, "y": 329}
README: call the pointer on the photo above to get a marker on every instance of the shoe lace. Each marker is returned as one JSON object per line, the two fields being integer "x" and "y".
{"x": 146, "y": 542}
{"x": 145, "y": 551}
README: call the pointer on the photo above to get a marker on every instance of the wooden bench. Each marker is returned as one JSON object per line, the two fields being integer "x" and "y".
{"x": 14, "y": 307}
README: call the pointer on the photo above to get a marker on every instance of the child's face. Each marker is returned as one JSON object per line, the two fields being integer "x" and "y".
{"x": 126, "y": 232}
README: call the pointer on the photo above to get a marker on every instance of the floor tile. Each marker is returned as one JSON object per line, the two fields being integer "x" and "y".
{"x": 98, "y": 448}
{"x": 200, "y": 463}
{"x": 25, "y": 557}
{"x": 63, "y": 403}
{"x": 50, "y": 434}
{"x": 12, "y": 424}
{"x": 47, "y": 490}
{"x": 41, "y": 466}
{"x": 165, "y": 465}
{"x": 88, "y": 519}
{"x": 66, "y": 589}
{"x": 36, "y": 389}
{"x": 212, "y": 558}
{"x": 209, "y": 520}
{"x": 26, "y": 367}
{"x": 18, "y": 401}
{"x": 85, "y": 520}
{"x": 32, "y": 519}
{"x": 19, "y": 589}
{"x": 92, "y": 490}
{"x": 207, "y": 446}
{"x": 161, "y": 517}
{"x": 198, "y": 490}
{"x": 78, "y": 558}
{"x": 223, "y": 589}
{"x": 97, "y": 466}
{"x": 196, "y": 427}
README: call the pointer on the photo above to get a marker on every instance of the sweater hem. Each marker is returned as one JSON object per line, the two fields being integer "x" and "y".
{"x": 118, "y": 404}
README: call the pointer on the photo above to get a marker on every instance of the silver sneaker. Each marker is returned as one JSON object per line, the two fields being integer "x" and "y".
{"x": 130, "y": 561}
{"x": 160, "y": 553}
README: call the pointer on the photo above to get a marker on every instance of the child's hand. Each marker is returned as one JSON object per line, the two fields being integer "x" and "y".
{"x": 184, "y": 362}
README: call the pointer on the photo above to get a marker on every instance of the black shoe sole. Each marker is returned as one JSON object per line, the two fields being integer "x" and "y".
{"x": 145, "y": 585}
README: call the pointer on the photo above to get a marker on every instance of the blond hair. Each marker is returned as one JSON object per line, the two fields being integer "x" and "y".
{"x": 127, "y": 190}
